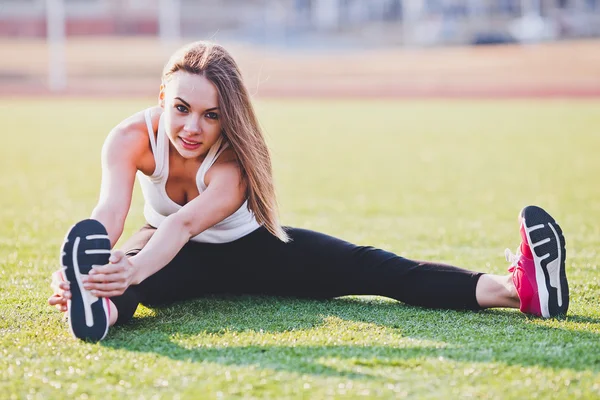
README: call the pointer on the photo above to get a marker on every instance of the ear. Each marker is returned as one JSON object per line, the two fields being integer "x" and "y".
{"x": 161, "y": 96}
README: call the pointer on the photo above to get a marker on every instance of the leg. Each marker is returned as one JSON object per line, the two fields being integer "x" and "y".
{"x": 496, "y": 291}
{"x": 315, "y": 265}
{"x": 198, "y": 269}
{"x": 178, "y": 280}
{"x": 537, "y": 285}
{"x": 318, "y": 265}
{"x": 123, "y": 307}
{"x": 312, "y": 265}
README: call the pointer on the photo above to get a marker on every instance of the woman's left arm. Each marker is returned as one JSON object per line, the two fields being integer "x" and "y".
{"x": 225, "y": 193}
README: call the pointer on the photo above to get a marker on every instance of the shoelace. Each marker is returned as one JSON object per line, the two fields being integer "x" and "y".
{"x": 513, "y": 259}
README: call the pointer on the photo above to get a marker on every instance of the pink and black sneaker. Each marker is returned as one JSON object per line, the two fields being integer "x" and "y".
{"x": 538, "y": 268}
{"x": 86, "y": 245}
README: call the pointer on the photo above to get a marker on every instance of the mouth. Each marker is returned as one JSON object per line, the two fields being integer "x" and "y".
{"x": 189, "y": 144}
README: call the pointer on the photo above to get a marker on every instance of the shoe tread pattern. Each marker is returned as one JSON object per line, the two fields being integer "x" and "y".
{"x": 85, "y": 261}
{"x": 538, "y": 216}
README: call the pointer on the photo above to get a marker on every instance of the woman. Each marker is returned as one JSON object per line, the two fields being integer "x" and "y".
{"x": 205, "y": 173}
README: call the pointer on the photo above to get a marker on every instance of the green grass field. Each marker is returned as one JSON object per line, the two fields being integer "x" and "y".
{"x": 435, "y": 180}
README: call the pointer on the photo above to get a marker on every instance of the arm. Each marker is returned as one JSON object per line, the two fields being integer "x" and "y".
{"x": 119, "y": 155}
{"x": 125, "y": 151}
{"x": 225, "y": 193}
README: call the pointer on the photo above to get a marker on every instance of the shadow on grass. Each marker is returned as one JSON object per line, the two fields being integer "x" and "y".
{"x": 495, "y": 336}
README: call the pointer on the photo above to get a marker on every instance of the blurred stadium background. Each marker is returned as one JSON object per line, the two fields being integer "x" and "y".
{"x": 308, "y": 47}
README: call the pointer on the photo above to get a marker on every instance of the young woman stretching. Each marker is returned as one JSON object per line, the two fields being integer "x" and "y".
{"x": 205, "y": 173}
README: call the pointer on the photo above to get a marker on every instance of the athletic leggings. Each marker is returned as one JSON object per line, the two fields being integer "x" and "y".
{"x": 312, "y": 265}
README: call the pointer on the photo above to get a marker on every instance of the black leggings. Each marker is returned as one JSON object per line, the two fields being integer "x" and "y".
{"x": 312, "y": 265}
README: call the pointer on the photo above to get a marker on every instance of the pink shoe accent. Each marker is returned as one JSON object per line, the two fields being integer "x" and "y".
{"x": 524, "y": 247}
{"x": 523, "y": 275}
{"x": 107, "y": 300}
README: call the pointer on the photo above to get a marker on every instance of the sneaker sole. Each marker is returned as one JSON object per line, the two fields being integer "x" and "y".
{"x": 547, "y": 244}
{"x": 87, "y": 244}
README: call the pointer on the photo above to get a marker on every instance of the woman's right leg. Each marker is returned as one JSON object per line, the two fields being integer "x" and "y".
{"x": 198, "y": 269}
{"x": 123, "y": 307}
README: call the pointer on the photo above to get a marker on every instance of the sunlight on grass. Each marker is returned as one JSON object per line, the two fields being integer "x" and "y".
{"x": 144, "y": 312}
{"x": 427, "y": 180}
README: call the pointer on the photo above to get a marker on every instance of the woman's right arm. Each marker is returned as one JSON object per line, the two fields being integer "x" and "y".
{"x": 125, "y": 150}
{"x": 122, "y": 154}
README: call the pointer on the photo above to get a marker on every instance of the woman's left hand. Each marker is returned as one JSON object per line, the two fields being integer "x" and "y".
{"x": 111, "y": 279}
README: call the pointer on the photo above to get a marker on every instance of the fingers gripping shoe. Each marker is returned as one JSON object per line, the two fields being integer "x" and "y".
{"x": 538, "y": 268}
{"x": 87, "y": 244}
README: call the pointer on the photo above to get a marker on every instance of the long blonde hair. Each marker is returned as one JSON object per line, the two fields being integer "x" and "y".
{"x": 239, "y": 123}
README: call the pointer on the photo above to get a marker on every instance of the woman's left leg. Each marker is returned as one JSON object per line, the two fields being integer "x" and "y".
{"x": 314, "y": 264}
{"x": 496, "y": 291}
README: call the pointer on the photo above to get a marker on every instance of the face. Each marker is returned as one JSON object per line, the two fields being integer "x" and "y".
{"x": 191, "y": 112}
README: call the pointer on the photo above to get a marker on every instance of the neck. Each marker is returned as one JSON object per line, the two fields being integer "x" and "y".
{"x": 177, "y": 158}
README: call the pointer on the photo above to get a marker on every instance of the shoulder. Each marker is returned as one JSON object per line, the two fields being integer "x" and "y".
{"x": 226, "y": 166}
{"x": 227, "y": 156}
{"x": 134, "y": 127}
{"x": 130, "y": 137}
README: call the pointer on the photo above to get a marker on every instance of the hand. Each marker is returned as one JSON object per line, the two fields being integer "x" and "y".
{"x": 61, "y": 291}
{"x": 111, "y": 279}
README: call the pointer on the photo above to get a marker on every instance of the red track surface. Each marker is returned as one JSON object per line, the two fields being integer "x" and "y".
{"x": 118, "y": 67}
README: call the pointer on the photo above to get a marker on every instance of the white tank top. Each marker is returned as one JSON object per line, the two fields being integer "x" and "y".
{"x": 158, "y": 205}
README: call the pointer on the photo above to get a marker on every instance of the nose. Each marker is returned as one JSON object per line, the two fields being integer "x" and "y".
{"x": 192, "y": 124}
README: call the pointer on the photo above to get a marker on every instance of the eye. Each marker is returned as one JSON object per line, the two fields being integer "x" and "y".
{"x": 181, "y": 108}
{"x": 212, "y": 115}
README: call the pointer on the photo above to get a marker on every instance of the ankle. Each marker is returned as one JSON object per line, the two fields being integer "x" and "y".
{"x": 113, "y": 314}
{"x": 511, "y": 289}
{"x": 496, "y": 291}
